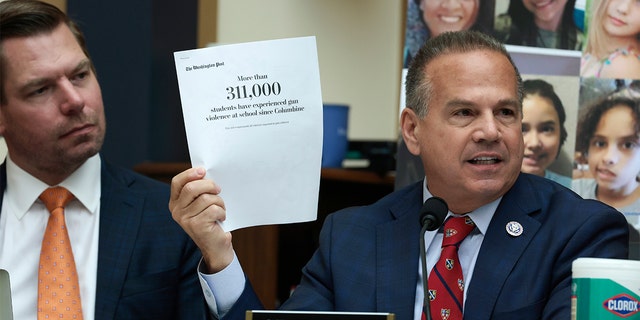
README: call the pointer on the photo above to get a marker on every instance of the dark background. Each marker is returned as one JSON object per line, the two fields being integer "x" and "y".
{"x": 131, "y": 44}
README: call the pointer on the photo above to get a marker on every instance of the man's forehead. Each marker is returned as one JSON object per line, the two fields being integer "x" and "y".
{"x": 41, "y": 53}
{"x": 59, "y": 37}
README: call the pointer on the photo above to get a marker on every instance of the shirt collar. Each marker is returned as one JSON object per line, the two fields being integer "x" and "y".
{"x": 480, "y": 216}
{"x": 24, "y": 189}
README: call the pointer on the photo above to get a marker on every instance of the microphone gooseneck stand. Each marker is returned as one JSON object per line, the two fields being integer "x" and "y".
{"x": 432, "y": 215}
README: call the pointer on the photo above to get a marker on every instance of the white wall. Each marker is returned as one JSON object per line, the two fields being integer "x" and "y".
{"x": 359, "y": 50}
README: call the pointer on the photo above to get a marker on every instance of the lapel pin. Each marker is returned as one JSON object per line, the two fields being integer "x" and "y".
{"x": 514, "y": 229}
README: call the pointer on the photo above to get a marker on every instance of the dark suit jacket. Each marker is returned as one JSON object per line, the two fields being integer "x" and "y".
{"x": 368, "y": 256}
{"x": 146, "y": 262}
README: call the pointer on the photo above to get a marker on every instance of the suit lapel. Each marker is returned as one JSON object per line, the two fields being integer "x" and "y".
{"x": 397, "y": 256}
{"x": 500, "y": 251}
{"x": 119, "y": 224}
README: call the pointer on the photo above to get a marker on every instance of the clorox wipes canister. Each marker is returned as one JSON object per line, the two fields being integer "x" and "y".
{"x": 605, "y": 289}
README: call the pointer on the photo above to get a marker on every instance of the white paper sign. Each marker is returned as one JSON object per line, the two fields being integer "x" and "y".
{"x": 253, "y": 118}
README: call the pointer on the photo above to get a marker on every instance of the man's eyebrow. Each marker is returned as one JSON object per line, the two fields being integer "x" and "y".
{"x": 459, "y": 103}
{"x": 84, "y": 64}
{"x": 33, "y": 83}
{"x": 508, "y": 102}
{"x": 38, "y": 82}
{"x": 469, "y": 103}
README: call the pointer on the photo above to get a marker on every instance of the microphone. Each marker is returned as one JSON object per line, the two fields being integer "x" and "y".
{"x": 432, "y": 215}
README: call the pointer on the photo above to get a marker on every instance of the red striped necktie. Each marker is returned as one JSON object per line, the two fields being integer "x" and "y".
{"x": 446, "y": 283}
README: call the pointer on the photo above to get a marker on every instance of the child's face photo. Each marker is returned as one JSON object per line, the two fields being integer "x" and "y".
{"x": 545, "y": 10}
{"x": 623, "y": 18}
{"x": 449, "y": 15}
{"x": 614, "y": 150}
{"x": 541, "y": 132}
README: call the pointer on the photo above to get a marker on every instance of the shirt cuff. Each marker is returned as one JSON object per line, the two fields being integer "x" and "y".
{"x": 222, "y": 289}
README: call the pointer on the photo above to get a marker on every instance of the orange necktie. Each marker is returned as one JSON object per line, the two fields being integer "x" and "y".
{"x": 58, "y": 288}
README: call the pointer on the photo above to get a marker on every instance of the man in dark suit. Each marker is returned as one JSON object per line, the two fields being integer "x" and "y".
{"x": 133, "y": 261}
{"x": 463, "y": 118}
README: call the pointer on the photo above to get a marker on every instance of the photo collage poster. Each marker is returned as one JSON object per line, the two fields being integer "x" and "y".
{"x": 587, "y": 71}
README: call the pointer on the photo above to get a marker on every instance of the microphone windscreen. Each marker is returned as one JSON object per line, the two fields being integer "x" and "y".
{"x": 433, "y": 212}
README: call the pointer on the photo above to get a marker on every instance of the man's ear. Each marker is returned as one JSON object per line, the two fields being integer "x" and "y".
{"x": 409, "y": 129}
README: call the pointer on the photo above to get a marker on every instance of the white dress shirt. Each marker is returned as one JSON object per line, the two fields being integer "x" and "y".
{"x": 467, "y": 253}
{"x": 23, "y": 220}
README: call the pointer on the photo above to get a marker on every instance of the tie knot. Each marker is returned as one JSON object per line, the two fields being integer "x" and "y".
{"x": 456, "y": 229}
{"x": 56, "y": 197}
